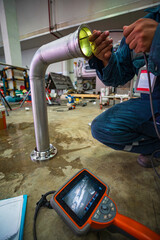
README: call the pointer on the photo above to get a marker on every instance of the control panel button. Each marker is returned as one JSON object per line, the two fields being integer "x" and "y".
{"x": 109, "y": 215}
{"x": 104, "y": 207}
{"x": 105, "y": 200}
{"x": 105, "y": 212}
{"x": 96, "y": 216}
{"x": 111, "y": 204}
{"x": 98, "y": 212}
{"x": 105, "y": 217}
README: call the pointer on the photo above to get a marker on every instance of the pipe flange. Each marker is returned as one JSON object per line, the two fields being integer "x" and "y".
{"x": 42, "y": 156}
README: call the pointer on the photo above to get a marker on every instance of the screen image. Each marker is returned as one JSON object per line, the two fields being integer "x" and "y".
{"x": 81, "y": 197}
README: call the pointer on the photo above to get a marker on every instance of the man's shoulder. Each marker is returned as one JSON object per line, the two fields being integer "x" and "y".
{"x": 153, "y": 10}
{"x": 153, "y": 13}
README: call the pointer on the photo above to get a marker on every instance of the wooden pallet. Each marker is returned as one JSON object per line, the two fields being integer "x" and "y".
{"x": 86, "y": 96}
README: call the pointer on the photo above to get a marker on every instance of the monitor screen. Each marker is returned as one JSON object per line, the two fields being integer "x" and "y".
{"x": 80, "y": 197}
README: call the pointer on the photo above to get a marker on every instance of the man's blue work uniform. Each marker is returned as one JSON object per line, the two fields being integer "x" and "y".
{"x": 128, "y": 126}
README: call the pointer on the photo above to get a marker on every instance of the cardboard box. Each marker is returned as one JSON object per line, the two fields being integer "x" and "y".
{"x": 3, "y": 124}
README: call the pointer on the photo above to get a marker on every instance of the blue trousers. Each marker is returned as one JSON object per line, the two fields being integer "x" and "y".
{"x": 128, "y": 126}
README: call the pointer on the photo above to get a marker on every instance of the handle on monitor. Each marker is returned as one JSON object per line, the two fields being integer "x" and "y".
{"x": 134, "y": 228}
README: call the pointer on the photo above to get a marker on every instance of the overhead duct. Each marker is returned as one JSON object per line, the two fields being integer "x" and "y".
{"x": 71, "y": 46}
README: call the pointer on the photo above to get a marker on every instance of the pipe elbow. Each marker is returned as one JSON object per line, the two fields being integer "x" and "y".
{"x": 38, "y": 66}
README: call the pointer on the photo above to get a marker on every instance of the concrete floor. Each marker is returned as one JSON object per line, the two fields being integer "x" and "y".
{"x": 135, "y": 190}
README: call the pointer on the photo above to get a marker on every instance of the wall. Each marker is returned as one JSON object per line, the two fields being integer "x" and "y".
{"x": 2, "y": 59}
{"x": 33, "y": 15}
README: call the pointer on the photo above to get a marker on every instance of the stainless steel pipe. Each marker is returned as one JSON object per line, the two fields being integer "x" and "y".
{"x": 71, "y": 46}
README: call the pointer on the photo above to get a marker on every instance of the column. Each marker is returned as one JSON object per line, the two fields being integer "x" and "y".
{"x": 10, "y": 33}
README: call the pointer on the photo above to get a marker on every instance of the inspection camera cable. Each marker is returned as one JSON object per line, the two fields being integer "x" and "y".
{"x": 43, "y": 202}
{"x": 153, "y": 116}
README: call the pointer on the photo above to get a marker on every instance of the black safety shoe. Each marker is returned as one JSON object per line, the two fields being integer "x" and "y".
{"x": 145, "y": 161}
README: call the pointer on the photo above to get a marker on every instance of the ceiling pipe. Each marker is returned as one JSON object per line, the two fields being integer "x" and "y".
{"x": 71, "y": 46}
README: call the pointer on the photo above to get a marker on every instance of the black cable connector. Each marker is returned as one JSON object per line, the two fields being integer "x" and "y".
{"x": 43, "y": 202}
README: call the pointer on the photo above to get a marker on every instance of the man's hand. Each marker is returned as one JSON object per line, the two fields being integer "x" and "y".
{"x": 102, "y": 45}
{"x": 139, "y": 35}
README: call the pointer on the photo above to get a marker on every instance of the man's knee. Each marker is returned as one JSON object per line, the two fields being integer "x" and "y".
{"x": 101, "y": 129}
{"x": 95, "y": 129}
{"x": 108, "y": 130}
{"x": 105, "y": 134}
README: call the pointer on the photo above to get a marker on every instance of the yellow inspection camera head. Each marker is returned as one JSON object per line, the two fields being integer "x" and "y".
{"x": 83, "y": 37}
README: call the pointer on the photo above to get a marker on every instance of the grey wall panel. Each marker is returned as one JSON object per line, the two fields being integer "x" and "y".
{"x": 33, "y": 15}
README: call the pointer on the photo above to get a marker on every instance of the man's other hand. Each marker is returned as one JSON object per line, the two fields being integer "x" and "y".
{"x": 139, "y": 35}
